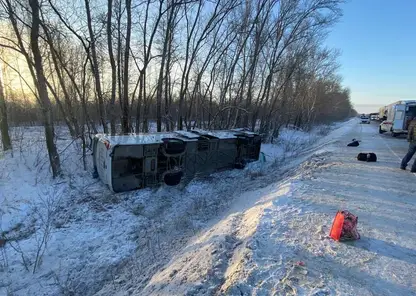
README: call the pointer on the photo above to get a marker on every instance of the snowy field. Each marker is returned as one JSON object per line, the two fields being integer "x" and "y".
{"x": 258, "y": 231}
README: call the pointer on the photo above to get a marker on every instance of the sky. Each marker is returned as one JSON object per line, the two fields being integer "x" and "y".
{"x": 377, "y": 39}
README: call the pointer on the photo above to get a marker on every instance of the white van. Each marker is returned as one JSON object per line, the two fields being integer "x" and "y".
{"x": 398, "y": 116}
{"x": 365, "y": 119}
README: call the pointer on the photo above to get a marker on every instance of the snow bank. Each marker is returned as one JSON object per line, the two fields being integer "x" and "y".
{"x": 294, "y": 141}
{"x": 57, "y": 232}
{"x": 100, "y": 241}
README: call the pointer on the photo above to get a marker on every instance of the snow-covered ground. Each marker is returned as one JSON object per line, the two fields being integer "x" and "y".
{"x": 235, "y": 232}
{"x": 60, "y": 232}
{"x": 273, "y": 240}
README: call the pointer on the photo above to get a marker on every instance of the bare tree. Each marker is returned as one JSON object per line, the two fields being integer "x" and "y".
{"x": 68, "y": 114}
{"x": 147, "y": 58}
{"x": 125, "y": 106}
{"x": 185, "y": 63}
{"x": 195, "y": 41}
{"x": 71, "y": 74}
{"x": 113, "y": 67}
{"x": 4, "y": 126}
{"x": 95, "y": 67}
{"x": 40, "y": 83}
{"x": 36, "y": 70}
{"x": 166, "y": 55}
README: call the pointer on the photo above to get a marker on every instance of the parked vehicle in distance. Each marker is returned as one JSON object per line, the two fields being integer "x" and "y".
{"x": 398, "y": 116}
{"x": 382, "y": 113}
{"x": 364, "y": 119}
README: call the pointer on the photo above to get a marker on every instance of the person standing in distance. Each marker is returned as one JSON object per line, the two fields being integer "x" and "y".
{"x": 411, "y": 137}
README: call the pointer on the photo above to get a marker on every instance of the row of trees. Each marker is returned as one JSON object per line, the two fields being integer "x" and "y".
{"x": 116, "y": 65}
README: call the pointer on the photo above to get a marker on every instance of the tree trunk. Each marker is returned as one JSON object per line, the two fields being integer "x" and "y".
{"x": 113, "y": 69}
{"x": 162, "y": 69}
{"x": 139, "y": 101}
{"x": 167, "y": 79}
{"x": 145, "y": 106}
{"x": 40, "y": 83}
{"x": 95, "y": 69}
{"x": 119, "y": 56}
{"x": 4, "y": 126}
{"x": 125, "y": 112}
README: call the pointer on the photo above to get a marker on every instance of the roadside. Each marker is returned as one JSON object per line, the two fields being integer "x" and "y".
{"x": 274, "y": 240}
{"x": 237, "y": 195}
{"x": 64, "y": 237}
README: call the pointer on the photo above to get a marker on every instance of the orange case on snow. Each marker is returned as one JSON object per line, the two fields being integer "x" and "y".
{"x": 336, "y": 228}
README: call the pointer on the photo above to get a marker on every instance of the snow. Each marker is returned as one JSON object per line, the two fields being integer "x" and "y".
{"x": 273, "y": 240}
{"x": 157, "y": 138}
{"x": 255, "y": 231}
{"x": 187, "y": 134}
{"x": 89, "y": 230}
{"x": 215, "y": 133}
{"x": 72, "y": 214}
{"x": 294, "y": 141}
{"x": 134, "y": 139}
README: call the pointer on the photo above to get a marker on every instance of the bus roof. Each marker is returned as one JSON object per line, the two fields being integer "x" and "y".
{"x": 157, "y": 138}
{"x": 137, "y": 139}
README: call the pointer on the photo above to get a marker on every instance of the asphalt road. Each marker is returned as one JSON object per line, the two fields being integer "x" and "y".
{"x": 383, "y": 261}
{"x": 390, "y": 149}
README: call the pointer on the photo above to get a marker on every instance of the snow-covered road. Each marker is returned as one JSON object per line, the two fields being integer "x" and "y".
{"x": 274, "y": 240}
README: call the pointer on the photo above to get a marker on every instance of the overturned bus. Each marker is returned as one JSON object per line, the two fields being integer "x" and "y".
{"x": 136, "y": 161}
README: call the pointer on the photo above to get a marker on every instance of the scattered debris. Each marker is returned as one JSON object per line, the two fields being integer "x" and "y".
{"x": 369, "y": 157}
{"x": 354, "y": 143}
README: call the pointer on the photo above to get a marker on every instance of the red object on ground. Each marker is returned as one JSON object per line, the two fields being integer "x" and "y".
{"x": 336, "y": 228}
{"x": 344, "y": 226}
